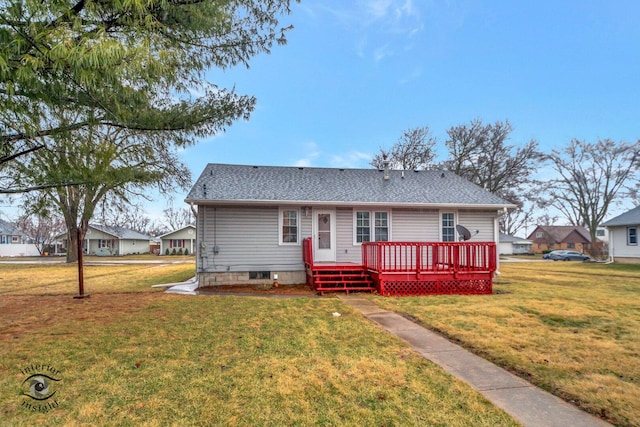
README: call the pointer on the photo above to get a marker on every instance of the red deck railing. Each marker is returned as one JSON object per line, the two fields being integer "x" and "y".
{"x": 429, "y": 257}
{"x": 420, "y": 268}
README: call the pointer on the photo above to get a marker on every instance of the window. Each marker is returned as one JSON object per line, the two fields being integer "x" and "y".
{"x": 599, "y": 233}
{"x": 382, "y": 227}
{"x": 289, "y": 226}
{"x": 448, "y": 227}
{"x": 539, "y": 234}
{"x": 15, "y": 239}
{"x": 259, "y": 275}
{"x": 632, "y": 236}
{"x": 363, "y": 227}
{"x": 176, "y": 243}
{"x": 367, "y": 230}
{"x": 103, "y": 244}
{"x": 571, "y": 245}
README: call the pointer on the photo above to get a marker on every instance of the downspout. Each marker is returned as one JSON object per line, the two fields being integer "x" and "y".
{"x": 496, "y": 239}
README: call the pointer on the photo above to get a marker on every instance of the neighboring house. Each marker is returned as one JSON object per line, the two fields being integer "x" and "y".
{"x": 106, "y": 240}
{"x": 14, "y": 242}
{"x": 555, "y": 237}
{"x": 512, "y": 245}
{"x": 252, "y": 220}
{"x": 602, "y": 234}
{"x": 623, "y": 237}
{"x": 184, "y": 238}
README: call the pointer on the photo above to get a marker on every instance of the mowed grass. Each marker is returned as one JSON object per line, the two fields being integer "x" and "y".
{"x": 62, "y": 279}
{"x": 136, "y": 357}
{"x": 571, "y": 328}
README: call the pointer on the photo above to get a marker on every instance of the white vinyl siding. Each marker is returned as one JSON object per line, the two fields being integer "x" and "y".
{"x": 415, "y": 225}
{"x": 484, "y": 222}
{"x": 248, "y": 239}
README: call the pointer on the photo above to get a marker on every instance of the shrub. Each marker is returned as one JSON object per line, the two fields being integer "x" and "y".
{"x": 186, "y": 251}
{"x": 166, "y": 252}
{"x": 173, "y": 252}
{"x": 180, "y": 251}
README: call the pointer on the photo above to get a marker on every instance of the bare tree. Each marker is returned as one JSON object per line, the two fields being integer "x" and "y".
{"x": 43, "y": 229}
{"x": 481, "y": 154}
{"x": 414, "y": 150}
{"x": 119, "y": 213}
{"x": 590, "y": 178}
{"x": 178, "y": 218}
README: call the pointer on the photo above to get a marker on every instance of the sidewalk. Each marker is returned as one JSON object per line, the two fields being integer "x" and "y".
{"x": 526, "y": 403}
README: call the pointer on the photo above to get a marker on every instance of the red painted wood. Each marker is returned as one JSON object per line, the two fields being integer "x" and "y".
{"x": 409, "y": 268}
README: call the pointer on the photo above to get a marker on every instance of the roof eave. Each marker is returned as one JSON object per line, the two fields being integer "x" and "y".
{"x": 350, "y": 203}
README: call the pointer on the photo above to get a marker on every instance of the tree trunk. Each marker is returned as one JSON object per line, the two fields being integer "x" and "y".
{"x": 72, "y": 245}
{"x": 72, "y": 236}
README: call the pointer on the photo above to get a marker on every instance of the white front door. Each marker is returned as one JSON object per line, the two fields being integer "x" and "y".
{"x": 324, "y": 236}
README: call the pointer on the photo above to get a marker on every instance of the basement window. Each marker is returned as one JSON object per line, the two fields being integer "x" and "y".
{"x": 253, "y": 275}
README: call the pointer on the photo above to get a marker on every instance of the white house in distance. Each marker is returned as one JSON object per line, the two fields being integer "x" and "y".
{"x": 14, "y": 242}
{"x": 252, "y": 220}
{"x": 512, "y": 245}
{"x": 183, "y": 238}
{"x": 623, "y": 237}
{"x": 106, "y": 240}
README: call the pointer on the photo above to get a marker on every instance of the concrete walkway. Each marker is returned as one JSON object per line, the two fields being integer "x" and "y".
{"x": 526, "y": 403}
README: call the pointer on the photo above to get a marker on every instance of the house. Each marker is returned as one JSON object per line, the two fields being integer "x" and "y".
{"x": 512, "y": 245}
{"x": 14, "y": 242}
{"x": 107, "y": 240}
{"x": 183, "y": 239}
{"x": 252, "y": 222}
{"x": 555, "y": 237}
{"x": 623, "y": 237}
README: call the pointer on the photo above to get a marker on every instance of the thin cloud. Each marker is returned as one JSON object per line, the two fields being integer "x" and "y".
{"x": 352, "y": 159}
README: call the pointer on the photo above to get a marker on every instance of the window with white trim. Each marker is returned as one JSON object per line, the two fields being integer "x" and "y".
{"x": 363, "y": 227}
{"x": 289, "y": 226}
{"x": 176, "y": 243}
{"x": 448, "y": 227}
{"x": 632, "y": 236}
{"x": 371, "y": 226}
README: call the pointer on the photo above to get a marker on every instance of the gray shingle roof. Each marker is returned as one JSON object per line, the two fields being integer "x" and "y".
{"x": 631, "y": 217}
{"x": 508, "y": 238}
{"x": 238, "y": 183}
{"x": 9, "y": 229}
{"x": 120, "y": 232}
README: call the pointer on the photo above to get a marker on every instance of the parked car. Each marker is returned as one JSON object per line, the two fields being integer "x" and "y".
{"x": 555, "y": 253}
{"x": 568, "y": 256}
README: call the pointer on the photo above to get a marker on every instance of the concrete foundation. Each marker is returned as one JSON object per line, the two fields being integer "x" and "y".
{"x": 242, "y": 278}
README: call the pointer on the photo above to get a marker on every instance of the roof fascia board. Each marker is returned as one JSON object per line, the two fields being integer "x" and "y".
{"x": 348, "y": 204}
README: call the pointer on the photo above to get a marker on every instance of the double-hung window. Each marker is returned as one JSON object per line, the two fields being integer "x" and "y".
{"x": 632, "y": 236}
{"x": 289, "y": 226}
{"x": 371, "y": 226}
{"x": 448, "y": 227}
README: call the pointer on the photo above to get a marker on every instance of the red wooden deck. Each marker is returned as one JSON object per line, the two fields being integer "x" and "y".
{"x": 408, "y": 268}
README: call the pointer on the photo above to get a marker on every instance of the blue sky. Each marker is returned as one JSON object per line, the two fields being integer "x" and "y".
{"x": 356, "y": 74}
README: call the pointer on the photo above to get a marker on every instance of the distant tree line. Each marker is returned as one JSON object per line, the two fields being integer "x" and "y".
{"x": 582, "y": 180}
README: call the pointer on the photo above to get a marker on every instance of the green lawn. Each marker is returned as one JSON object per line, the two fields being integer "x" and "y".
{"x": 571, "y": 328}
{"x": 131, "y": 356}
